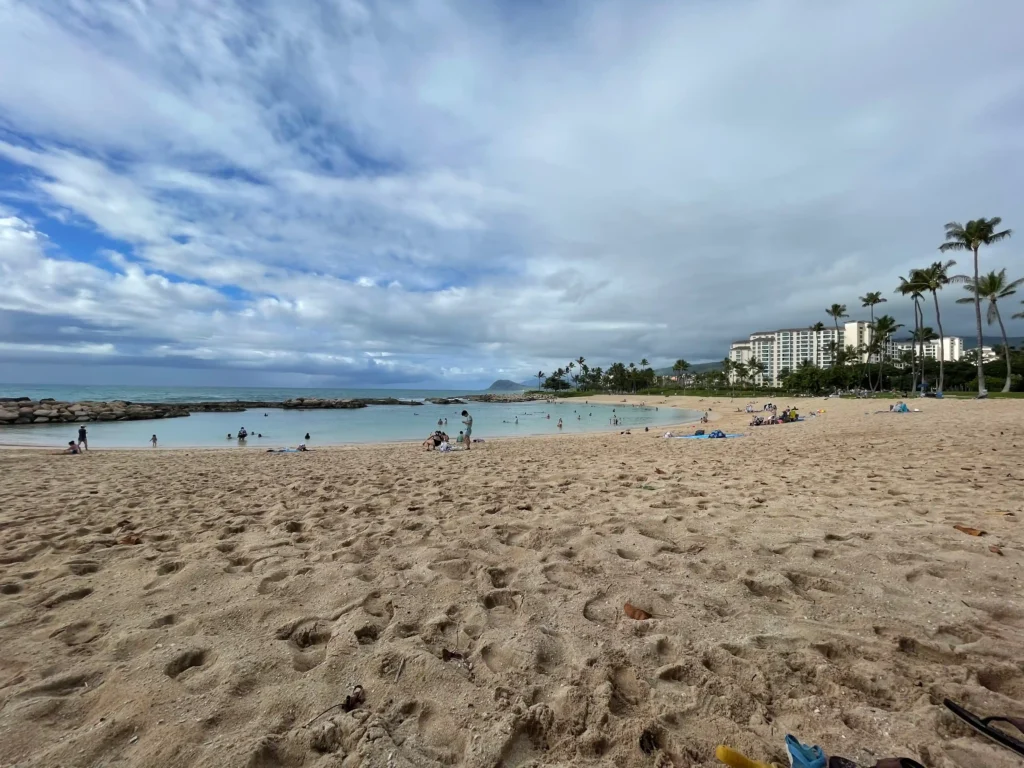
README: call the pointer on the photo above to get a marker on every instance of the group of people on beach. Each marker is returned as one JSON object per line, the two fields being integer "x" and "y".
{"x": 82, "y": 445}
{"x": 439, "y": 439}
{"x": 788, "y": 415}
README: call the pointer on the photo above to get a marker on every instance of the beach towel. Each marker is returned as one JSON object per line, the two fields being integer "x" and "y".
{"x": 700, "y": 437}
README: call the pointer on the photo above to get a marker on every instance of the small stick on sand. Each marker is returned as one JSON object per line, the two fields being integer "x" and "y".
{"x": 335, "y": 706}
{"x": 400, "y": 668}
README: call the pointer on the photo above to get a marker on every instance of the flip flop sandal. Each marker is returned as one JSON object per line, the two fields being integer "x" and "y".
{"x": 981, "y": 725}
{"x": 886, "y": 762}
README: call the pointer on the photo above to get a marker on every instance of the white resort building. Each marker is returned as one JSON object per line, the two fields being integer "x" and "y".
{"x": 782, "y": 351}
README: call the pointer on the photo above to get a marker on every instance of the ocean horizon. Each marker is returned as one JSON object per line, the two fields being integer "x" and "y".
{"x": 276, "y": 428}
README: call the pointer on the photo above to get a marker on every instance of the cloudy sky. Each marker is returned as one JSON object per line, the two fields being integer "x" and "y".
{"x": 441, "y": 193}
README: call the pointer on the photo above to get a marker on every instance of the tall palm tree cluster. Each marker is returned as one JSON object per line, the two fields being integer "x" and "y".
{"x": 619, "y": 377}
{"x": 919, "y": 285}
{"x": 929, "y": 280}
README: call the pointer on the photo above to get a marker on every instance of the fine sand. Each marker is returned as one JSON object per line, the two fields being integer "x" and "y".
{"x": 804, "y": 579}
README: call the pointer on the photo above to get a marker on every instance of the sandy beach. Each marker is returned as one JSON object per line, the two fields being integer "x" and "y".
{"x": 204, "y": 608}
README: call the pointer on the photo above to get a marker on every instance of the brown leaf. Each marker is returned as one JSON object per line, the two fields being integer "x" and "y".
{"x": 131, "y": 538}
{"x": 636, "y": 613}
{"x": 969, "y": 531}
{"x": 660, "y": 471}
{"x": 997, "y": 549}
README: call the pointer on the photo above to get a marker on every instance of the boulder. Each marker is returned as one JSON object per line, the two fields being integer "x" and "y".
{"x": 40, "y": 420}
{"x": 42, "y": 412}
{"x": 84, "y": 418}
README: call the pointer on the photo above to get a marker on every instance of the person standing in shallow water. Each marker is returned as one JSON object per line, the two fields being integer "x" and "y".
{"x": 83, "y": 439}
{"x": 468, "y": 421}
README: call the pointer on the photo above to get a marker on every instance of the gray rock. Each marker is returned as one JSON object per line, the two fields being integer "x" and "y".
{"x": 40, "y": 420}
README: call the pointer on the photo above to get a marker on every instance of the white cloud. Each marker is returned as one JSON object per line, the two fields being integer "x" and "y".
{"x": 471, "y": 187}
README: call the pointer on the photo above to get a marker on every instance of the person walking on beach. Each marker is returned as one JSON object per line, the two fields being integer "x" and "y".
{"x": 468, "y": 421}
{"x": 83, "y": 440}
{"x": 152, "y": 440}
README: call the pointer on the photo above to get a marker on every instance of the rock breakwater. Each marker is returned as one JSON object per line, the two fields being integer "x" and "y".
{"x": 23, "y": 410}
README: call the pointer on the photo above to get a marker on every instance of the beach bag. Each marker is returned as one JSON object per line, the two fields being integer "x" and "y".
{"x": 717, "y": 433}
{"x": 699, "y": 432}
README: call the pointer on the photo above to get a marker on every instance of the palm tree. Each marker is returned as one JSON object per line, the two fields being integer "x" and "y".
{"x": 870, "y": 301}
{"x": 680, "y": 367}
{"x": 913, "y": 290}
{"x": 837, "y": 312}
{"x": 757, "y": 368}
{"x": 540, "y": 379}
{"x": 817, "y": 327}
{"x": 971, "y": 237}
{"x": 932, "y": 279}
{"x": 991, "y": 288}
{"x": 742, "y": 371}
{"x": 885, "y": 327}
{"x": 920, "y": 337}
{"x": 727, "y": 369}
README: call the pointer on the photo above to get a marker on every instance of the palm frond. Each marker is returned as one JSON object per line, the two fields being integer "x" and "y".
{"x": 965, "y": 300}
{"x": 1012, "y": 287}
{"x": 995, "y": 237}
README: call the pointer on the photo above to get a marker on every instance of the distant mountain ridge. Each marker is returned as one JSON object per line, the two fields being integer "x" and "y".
{"x": 504, "y": 385}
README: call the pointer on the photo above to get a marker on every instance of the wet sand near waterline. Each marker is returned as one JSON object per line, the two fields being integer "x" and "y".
{"x": 806, "y": 579}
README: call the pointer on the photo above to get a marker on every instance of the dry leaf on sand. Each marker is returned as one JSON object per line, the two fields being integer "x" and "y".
{"x": 636, "y": 613}
{"x": 969, "y": 531}
{"x": 996, "y": 549}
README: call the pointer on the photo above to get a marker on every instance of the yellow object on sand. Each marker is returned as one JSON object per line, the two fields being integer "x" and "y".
{"x": 734, "y": 759}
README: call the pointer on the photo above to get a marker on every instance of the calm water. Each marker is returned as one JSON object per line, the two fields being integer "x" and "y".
{"x": 374, "y": 424}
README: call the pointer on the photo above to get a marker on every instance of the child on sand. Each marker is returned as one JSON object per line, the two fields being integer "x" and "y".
{"x": 468, "y": 421}
{"x": 152, "y": 440}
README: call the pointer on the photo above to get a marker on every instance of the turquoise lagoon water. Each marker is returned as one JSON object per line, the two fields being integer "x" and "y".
{"x": 373, "y": 424}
